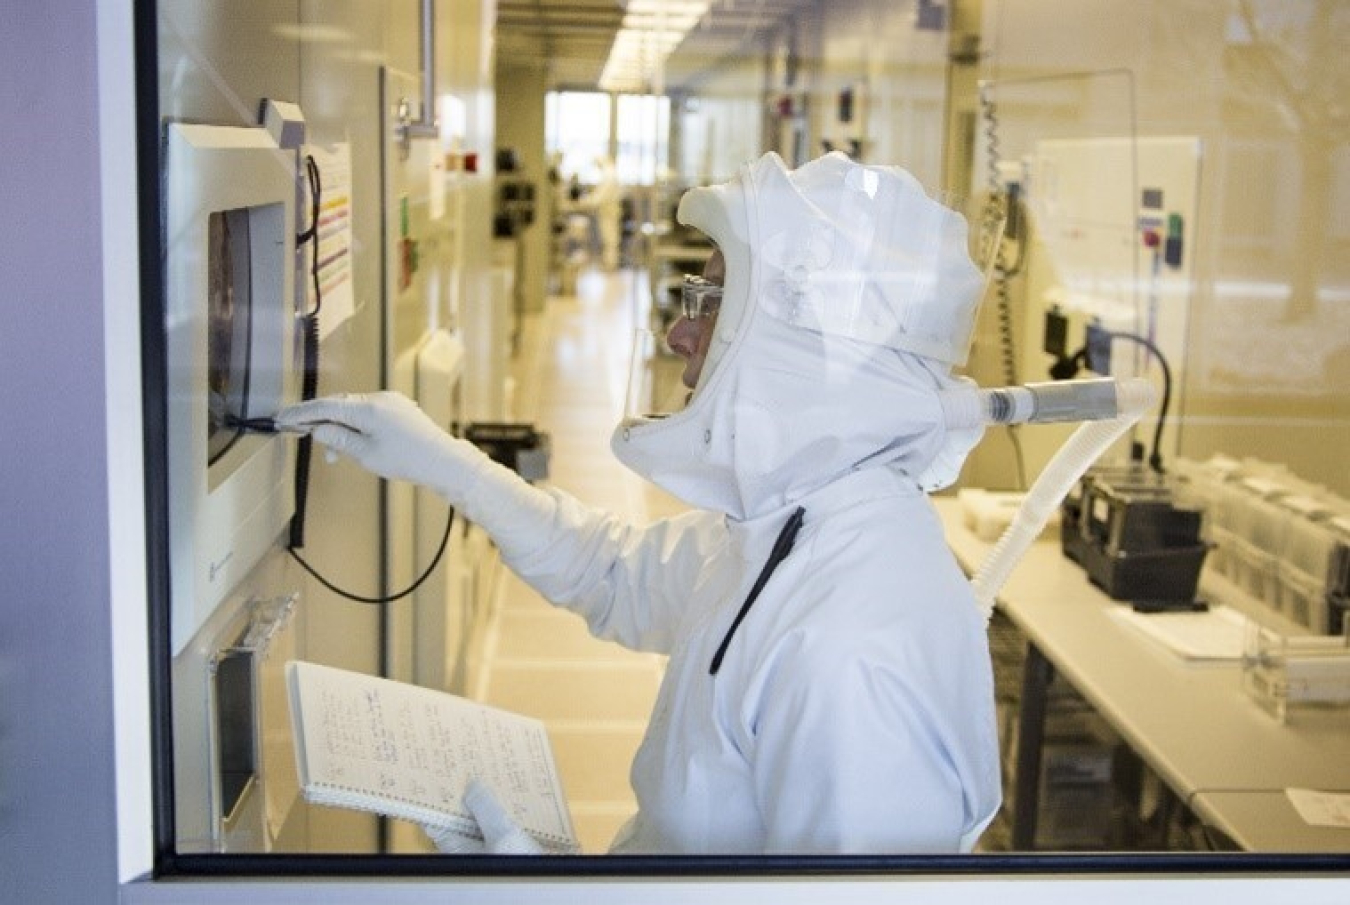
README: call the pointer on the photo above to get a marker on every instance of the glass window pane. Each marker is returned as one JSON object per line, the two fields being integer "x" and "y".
{"x": 577, "y": 124}
{"x": 643, "y": 137}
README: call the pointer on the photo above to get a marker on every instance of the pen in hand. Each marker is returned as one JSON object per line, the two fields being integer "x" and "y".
{"x": 272, "y": 426}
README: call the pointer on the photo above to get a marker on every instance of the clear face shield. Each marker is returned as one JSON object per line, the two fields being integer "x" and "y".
{"x": 700, "y": 297}
{"x": 664, "y": 370}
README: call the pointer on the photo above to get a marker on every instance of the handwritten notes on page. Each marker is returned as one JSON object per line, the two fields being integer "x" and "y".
{"x": 409, "y": 752}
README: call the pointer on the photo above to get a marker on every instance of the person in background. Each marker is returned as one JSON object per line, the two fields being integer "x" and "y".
{"x": 605, "y": 203}
{"x": 829, "y": 688}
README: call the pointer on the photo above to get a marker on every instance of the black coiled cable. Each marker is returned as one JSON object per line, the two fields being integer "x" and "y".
{"x": 309, "y": 389}
{"x": 999, "y": 208}
{"x": 309, "y": 326}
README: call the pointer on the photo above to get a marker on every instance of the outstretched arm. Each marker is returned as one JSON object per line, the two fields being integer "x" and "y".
{"x": 624, "y": 580}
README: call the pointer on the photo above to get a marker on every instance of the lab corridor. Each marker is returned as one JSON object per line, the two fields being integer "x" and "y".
{"x": 569, "y": 378}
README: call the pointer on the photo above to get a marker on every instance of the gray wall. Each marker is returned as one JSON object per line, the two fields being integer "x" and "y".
{"x": 57, "y": 814}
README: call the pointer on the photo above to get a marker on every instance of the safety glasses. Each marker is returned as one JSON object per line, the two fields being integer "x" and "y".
{"x": 699, "y": 297}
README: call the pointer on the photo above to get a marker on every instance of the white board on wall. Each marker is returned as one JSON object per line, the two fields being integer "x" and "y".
{"x": 1094, "y": 202}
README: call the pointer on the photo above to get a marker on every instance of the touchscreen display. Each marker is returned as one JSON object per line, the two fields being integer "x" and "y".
{"x": 229, "y": 334}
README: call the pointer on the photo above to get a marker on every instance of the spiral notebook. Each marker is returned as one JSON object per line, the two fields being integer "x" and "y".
{"x": 408, "y": 752}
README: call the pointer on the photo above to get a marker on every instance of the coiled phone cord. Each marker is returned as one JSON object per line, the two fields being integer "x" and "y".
{"x": 995, "y": 211}
{"x": 309, "y": 389}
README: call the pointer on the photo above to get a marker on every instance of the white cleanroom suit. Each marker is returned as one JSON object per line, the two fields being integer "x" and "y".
{"x": 605, "y": 202}
{"x": 852, "y": 708}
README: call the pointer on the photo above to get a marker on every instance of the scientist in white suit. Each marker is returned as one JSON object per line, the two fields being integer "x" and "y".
{"x": 605, "y": 202}
{"x": 829, "y": 688}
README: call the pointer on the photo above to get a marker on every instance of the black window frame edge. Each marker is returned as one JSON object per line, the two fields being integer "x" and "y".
{"x": 372, "y": 866}
{"x": 154, "y": 412}
{"x": 171, "y": 864}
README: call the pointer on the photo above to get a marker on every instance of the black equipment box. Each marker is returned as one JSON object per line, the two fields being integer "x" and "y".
{"x": 1123, "y": 527}
{"x": 519, "y": 447}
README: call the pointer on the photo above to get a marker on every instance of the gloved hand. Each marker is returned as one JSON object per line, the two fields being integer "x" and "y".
{"x": 386, "y": 433}
{"x": 389, "y": 435}
{"x": 501, "y": 835}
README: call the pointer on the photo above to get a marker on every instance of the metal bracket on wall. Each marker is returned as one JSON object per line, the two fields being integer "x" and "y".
{"x": 424, "y": 126}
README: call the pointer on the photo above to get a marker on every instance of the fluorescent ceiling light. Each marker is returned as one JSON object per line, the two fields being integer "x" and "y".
{"x": 651, "y": 29}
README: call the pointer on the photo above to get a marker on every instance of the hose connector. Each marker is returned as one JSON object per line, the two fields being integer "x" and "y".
{"x": 1096, "y": 399}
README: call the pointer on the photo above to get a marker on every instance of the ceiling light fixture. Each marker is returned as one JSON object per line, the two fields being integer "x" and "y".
{"x": 650, "y": 31}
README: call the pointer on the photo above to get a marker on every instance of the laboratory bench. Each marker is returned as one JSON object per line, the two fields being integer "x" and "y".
{"x": 1265, "y": 821}
{"x": 1191, "y": 722}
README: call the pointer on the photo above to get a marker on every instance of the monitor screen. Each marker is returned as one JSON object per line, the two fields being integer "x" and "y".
{"x": 229, "y": 331}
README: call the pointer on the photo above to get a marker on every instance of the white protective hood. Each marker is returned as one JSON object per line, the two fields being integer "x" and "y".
{"x": 849, "y": 296}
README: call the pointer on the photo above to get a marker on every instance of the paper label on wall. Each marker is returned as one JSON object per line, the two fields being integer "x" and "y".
{"x": 334, "y": 238}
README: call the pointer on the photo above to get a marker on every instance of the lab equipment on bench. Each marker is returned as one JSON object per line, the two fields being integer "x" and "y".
{"x": 1279, "y": 539}
{"x": 1124, "y": 527}
{"x": 1295, "y": 676}
{"x": 520, "y": 447}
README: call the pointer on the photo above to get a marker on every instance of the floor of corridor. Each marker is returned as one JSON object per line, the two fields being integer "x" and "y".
{"x": 570, "y": 379}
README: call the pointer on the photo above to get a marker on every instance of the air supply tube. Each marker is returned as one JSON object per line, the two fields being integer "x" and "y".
{"x": 1109, "y": 407}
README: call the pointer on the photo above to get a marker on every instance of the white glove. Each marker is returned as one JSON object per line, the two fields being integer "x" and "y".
{"x": 501, "y": 835}
{"x": 387, "y": 433}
